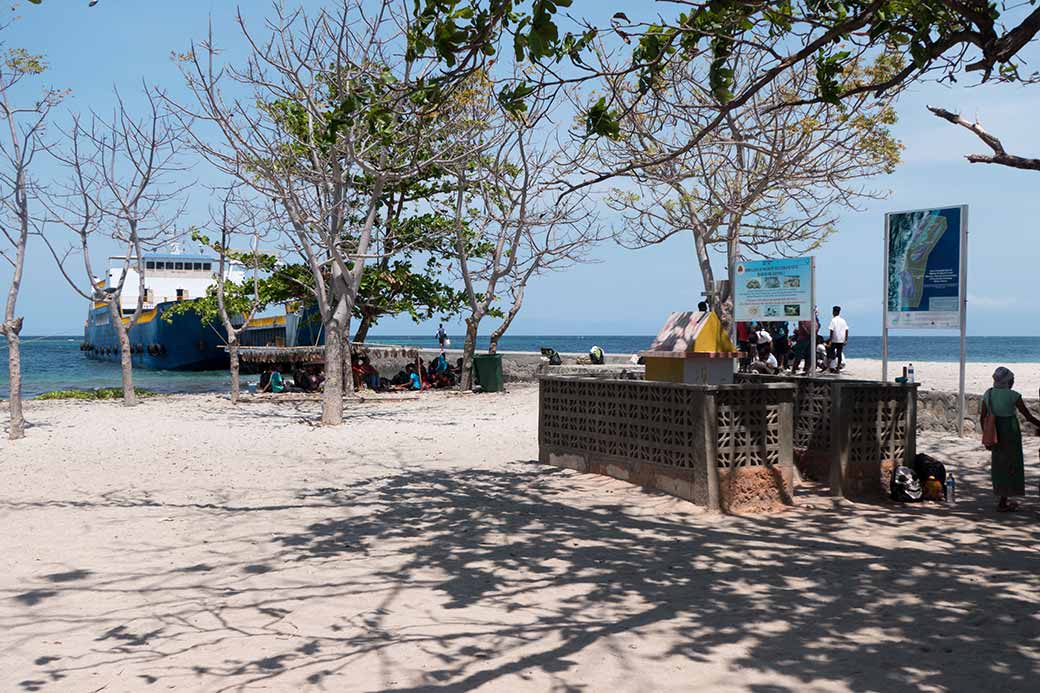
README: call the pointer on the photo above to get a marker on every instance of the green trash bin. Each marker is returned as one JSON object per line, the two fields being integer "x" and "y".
{"x": 488, "y": 369}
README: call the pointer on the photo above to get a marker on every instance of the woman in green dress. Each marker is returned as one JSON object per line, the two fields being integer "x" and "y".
{"x": 1008, "y": 469}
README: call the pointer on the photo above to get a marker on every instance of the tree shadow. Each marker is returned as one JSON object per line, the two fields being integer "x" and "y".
{"x": 517, "y": 574}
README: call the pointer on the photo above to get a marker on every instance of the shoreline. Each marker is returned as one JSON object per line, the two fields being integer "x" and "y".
{"x": 523, "y": 367}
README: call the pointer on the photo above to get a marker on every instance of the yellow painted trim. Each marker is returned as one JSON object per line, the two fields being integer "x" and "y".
{"x": 275, "y": 321}
{"x": 146, "y": 317}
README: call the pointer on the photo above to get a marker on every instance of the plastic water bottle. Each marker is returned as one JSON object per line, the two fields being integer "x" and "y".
{"x": 910, "y": 373}
{"x": 951, "y": 488}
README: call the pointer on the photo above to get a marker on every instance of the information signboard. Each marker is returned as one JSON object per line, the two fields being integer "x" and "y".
{"x": 926, "y": 277}
{"x": 923, "y": 250}
{"x": 773, "y": 290}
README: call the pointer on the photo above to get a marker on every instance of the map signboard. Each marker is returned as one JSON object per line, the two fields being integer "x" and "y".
{"x": 768, "y": 290}
{"x": 923, "y": 274}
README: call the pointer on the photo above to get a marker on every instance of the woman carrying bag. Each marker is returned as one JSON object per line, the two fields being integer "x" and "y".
{"x": 1002, "y": 435}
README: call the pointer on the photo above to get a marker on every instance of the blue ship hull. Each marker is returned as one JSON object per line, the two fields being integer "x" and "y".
{"x": 180, "y": 343}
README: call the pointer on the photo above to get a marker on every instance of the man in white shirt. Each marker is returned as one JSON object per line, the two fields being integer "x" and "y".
{"x": 764, "y": 361}
{"x": 839, "y": 337}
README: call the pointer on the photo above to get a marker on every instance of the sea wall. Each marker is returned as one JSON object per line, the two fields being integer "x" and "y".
{"x": 526, "y": 366}
{"x": 938, "y": 411}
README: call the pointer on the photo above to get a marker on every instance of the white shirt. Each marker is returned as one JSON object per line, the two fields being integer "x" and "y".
{"x": 840, "y": 329}
{"x": 769, "y": 360}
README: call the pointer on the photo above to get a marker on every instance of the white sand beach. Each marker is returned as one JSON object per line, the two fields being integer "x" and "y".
{"x": 945, "y": 376}
{"x": 190, "y": 545}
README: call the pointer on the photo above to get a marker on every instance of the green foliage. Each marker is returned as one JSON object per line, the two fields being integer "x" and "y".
{"x": 414, "y": 222}
{"x": 102, "y": 393}
{"x": 929, "y": 32}
{"x": 600, "y": 120}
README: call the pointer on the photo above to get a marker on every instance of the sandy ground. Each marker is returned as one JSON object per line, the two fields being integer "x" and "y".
{"x": 189, "y": 545}
{"x": 945, "y": 376}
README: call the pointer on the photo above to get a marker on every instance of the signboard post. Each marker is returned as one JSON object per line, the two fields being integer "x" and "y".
{"x": 926, "y": 269}
{"x": 777, "y": 290}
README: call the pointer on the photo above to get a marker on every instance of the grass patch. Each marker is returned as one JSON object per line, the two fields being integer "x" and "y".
{"x": 99, "y": 393}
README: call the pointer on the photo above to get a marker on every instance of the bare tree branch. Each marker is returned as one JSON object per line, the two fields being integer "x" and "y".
{"x": 999, "y": 156}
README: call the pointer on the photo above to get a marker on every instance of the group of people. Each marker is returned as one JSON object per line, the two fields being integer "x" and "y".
{"x": 439, "y": 373}
{"x": 305, "y": 378}
{"x": 771, "y": 348}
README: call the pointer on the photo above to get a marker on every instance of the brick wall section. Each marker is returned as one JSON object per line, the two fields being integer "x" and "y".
{"x": 684, "y": 440}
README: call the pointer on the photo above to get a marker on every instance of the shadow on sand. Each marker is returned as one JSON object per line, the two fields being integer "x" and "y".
{"x": 807, "y": 599}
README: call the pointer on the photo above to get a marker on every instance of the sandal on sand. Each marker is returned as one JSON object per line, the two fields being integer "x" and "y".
{"x": 1009, "y": 508}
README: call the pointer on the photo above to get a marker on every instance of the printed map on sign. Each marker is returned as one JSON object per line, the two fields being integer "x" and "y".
{"x": 924, "y": 268}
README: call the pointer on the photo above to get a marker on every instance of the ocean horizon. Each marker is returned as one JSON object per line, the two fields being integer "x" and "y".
{"x": 56, "y": 363}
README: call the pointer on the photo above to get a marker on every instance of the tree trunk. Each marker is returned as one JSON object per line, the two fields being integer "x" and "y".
{"x": 704, "y": 264}
{"x": 514, "y": 310}
{"x": 332, "y": 400}
{"x": 14, "y": 371}
{"x": 468, "y": 348}
{"x": 233, "y": 355}
{"x": 125, "y": 354}
{"x": 732, "y": 253}
{"x": 348, "y": 363}
{"x": 366, "y": 324}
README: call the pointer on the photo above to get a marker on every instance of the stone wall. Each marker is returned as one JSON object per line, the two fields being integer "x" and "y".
{"x": 527, "y": 366}
{"x": 938, "y": 411}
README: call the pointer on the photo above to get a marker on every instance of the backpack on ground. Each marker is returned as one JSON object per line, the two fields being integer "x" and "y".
{"x": 926, "y": 466}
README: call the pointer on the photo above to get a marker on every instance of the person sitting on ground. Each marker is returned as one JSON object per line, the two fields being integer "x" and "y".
{"x": 366, "y": 373}
{"x": 596, "y": 356}
{"x": 412, "y": 381}
{"x": 274, "y": 381}
{"x": 1007, "y": 467}
{"x": 439, "y": 365}
{"x": 303, "y": 379}
{"x": 765, "y": 363}
{"x": 763, "y": 334}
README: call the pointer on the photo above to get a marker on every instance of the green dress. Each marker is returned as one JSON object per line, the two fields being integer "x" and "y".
{"x": 1008, "y": 468}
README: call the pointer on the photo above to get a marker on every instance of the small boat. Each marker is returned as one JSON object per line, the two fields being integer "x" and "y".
{"x": 159, "y": 340}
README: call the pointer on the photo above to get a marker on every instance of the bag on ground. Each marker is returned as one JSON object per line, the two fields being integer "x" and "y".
{"x": 906, "y": 487}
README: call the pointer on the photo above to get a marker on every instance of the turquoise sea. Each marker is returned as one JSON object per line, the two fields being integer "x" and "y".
{"x": 54, "y": 363}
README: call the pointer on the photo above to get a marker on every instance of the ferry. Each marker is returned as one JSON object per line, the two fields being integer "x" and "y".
{"x": 178, "y": 342}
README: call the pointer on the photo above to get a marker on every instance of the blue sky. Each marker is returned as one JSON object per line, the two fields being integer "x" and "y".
{"x": 118, "y": 43}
